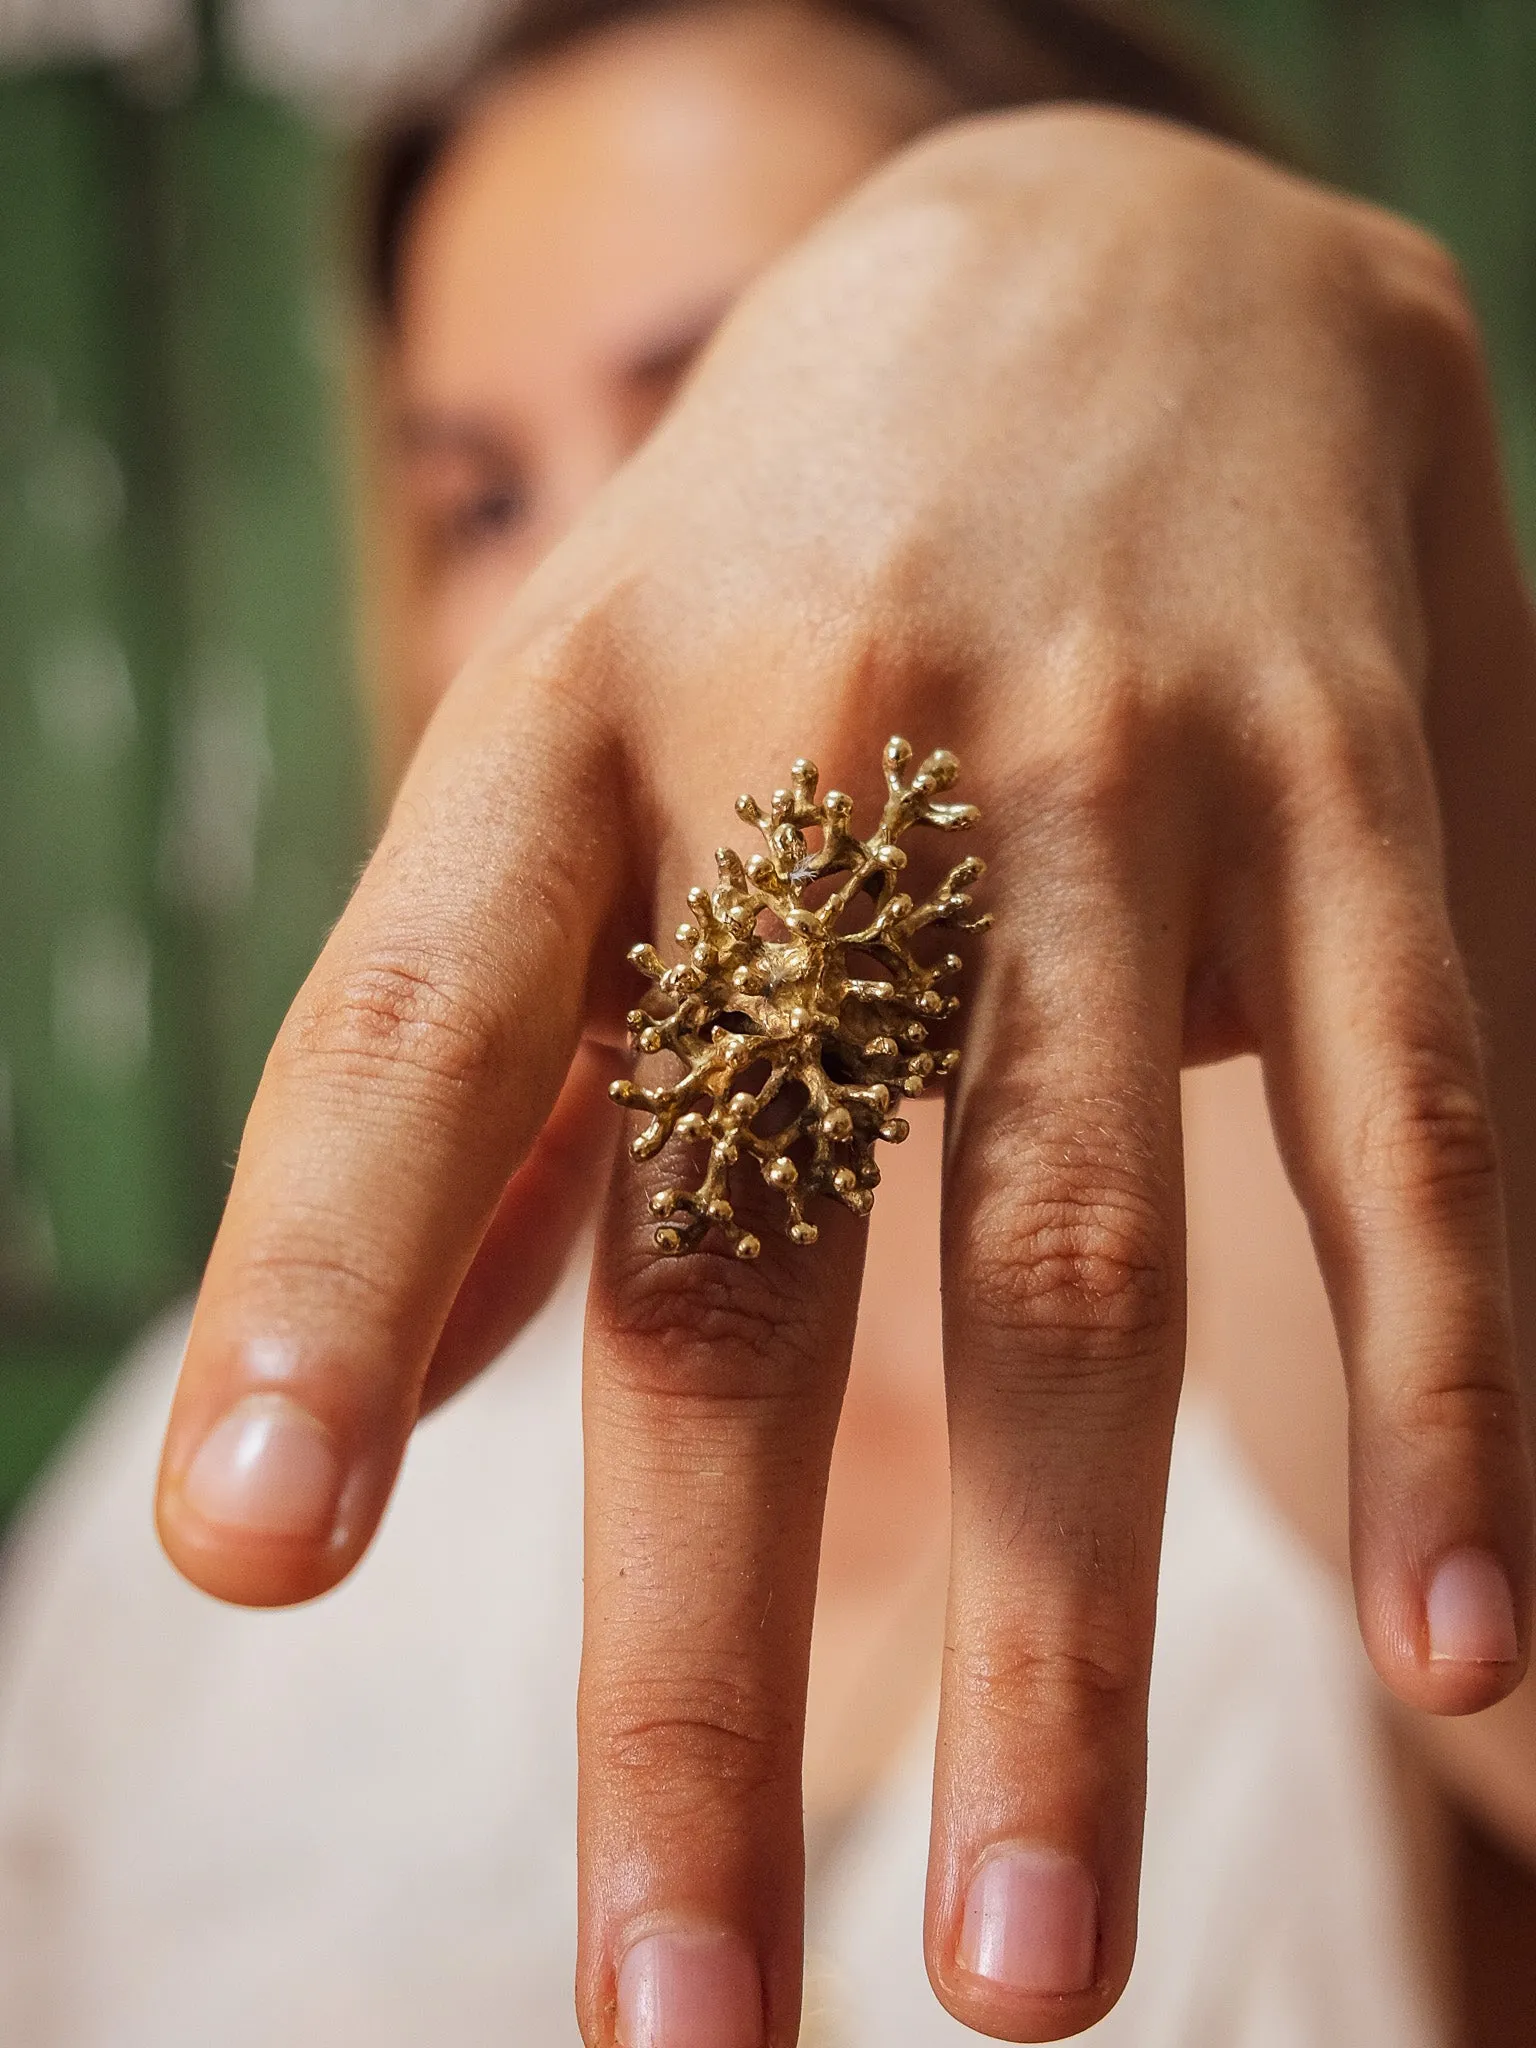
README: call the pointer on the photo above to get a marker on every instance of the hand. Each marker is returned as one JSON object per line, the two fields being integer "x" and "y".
{"x": 1162, "y": 488}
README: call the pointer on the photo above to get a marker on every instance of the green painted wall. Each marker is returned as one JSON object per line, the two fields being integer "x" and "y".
{"x": 180, "y": 797}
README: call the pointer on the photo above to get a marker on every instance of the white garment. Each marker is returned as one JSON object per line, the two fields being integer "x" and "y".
{"x": 351, "y": 1826}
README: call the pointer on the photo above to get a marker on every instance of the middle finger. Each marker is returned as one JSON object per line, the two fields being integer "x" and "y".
{"x": 713, "y": 1384}
{"x": 1063, "y": 1350}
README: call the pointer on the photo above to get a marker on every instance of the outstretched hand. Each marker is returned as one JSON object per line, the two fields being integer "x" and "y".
{"x": 1161, "y": 487}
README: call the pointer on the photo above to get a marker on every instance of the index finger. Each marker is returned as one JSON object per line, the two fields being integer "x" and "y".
{"x": 410, "y": 1078}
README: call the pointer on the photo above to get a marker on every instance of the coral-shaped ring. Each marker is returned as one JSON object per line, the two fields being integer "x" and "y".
{"x": 792, "y": 1055}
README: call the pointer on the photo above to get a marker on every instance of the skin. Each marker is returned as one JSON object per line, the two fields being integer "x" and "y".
{"x": 1161, "y": 486}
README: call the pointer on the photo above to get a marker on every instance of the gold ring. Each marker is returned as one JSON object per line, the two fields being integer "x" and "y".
{"x": 830, "y": 1046}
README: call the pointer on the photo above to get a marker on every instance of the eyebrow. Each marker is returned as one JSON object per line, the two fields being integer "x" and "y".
{"x": 671, "y": 350}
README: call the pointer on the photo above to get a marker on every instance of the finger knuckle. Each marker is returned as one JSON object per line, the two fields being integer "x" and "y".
{"x": 402, "y": 1013}
{"x": 1073, "y": 1255}
{"x": 1078, "y": 1265}
{"x": 1033, "y": 1681}
{"x": 670, "y": 1742}
{"x": 1091, "y": 764}
{"x": 1428, "y": 291}
{"x": 1108, "y": 766}
{"x": 711, "y": 1324}
{"x": 1477, "y": 1404}
{"x": 1383, "y": 260}
{"x": 1426, "y": 1143}
{"x": 324, "y": 1268}
{"x": 1354, "y": 752}
{"x": 1434, "y": 261}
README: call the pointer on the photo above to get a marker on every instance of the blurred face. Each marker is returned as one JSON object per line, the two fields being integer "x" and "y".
{"x": 576, "y": 247}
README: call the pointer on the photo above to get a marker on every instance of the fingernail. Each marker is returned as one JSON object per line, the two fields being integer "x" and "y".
{"x": 1031, "y": 1923}
{"x": 269, "y": 1467}
{"x": 1470, "y": 1611}
{"x": 690, "y": 1990}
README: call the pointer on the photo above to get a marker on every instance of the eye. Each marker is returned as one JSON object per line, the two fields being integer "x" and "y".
{"x": 463, "y": 492}
{"x": 481, "y": 516}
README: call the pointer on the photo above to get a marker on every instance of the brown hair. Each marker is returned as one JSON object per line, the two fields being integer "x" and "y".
{"x": 990, "y": 53}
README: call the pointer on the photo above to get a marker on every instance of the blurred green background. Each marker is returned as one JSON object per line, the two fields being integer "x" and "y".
{"x": 181, "y": 803}
{"x": 182, "y": 769}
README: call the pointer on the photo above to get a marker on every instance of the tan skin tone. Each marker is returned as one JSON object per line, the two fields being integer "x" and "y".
{"x": 1163, "y": 488}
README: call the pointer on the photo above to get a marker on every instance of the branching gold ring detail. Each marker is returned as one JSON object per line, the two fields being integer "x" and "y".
{"x": 793, "y": 1053}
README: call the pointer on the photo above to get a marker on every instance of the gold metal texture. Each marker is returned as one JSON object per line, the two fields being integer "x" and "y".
{"x": 792, "y": 1052}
